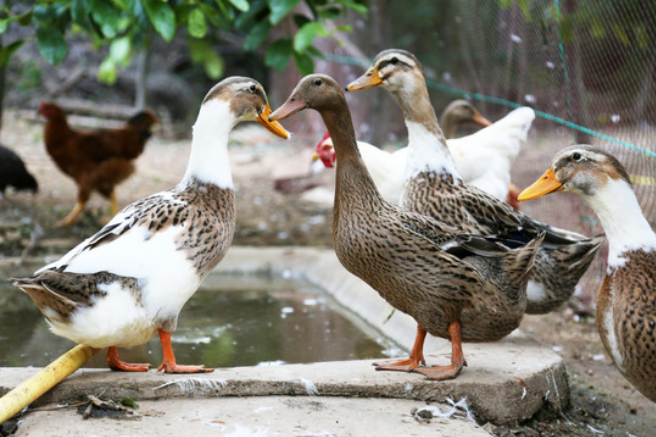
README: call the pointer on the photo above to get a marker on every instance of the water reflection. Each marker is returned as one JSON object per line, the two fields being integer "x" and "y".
{"x": 231, "y": 321}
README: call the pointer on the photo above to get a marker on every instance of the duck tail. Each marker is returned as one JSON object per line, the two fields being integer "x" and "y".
{"x": 564, "y": 266}
{"x": 519, "y": 263}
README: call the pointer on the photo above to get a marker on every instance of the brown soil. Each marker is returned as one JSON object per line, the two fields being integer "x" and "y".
{"x": 603, "y": 402}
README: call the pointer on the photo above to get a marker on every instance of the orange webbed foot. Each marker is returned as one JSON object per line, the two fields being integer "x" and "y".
{"x": 115, "y": 364}
{"x": 168, "y": 362}
{"x": 176, "y": 368}
{"x": 440, "y": 373}
{"x": 407, "y": 365}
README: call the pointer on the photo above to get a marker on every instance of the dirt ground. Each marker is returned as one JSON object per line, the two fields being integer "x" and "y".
{"x": 603, "y": 403}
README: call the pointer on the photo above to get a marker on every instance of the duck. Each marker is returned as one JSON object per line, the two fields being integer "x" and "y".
{"x": 484, "y": 158}
{"x": 459, "y": 112}
{"x": 131, "y": 279}
{"x": 626, "y": 302}
{"x": 435, "y": 187}
{"x": 456, "y": 285}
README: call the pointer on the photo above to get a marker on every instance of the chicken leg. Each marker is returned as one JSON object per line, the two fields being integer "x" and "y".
{"x": 72, "y": 216}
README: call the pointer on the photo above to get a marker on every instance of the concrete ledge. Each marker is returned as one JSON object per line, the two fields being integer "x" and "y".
{"x": 506, "y": 382}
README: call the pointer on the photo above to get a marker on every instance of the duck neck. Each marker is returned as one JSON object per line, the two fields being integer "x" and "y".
{"x": 622, "y": 219}
{"x": 449, "y": 124}
{"x": 427, "y": 149}
{"x": 354, "y": 185}
{"x": 208, "y": 160}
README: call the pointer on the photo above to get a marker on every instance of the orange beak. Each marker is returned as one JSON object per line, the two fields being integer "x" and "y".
{"x": 272, "y": 126}
{"x": 315, "y": 156}
{"x": 367, "y": 80}
{"x": 480, "y": 120}
{"x": 545, "y": 185}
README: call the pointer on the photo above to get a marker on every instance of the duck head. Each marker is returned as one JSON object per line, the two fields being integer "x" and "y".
{"x": 315, "y": 91}
{"x": 247, "y": 102}
{"x": 581, "y": 169}
{"x": 395, "y": 70}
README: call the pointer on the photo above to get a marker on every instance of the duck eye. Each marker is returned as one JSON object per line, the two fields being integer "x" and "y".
{"x": 395, "y": 61}
{"x": 576, "y": 156}
{"x": 252, "y": 88}
{"x": 318, "y": 82}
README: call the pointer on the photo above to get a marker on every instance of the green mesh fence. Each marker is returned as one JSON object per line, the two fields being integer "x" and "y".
{"x": 586, "y": 67}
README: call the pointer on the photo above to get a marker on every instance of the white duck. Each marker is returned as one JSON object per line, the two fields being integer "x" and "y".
{"x": 483, "y": 159}
{"x": 132, "y": 278}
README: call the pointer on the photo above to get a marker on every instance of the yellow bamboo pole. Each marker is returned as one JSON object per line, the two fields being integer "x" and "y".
{"x": 51, "y": 375}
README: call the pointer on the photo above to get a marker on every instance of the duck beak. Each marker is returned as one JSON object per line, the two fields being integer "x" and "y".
{"x": 480, "y": 120}
{"x": 545, "y": 185}
{"x": 367, "y": 80}
{"x": 293, "y": 105}
{"x": 272, "y": 126}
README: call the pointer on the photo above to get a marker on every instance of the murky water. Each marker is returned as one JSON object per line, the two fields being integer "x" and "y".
{"x": 233, "y": 320}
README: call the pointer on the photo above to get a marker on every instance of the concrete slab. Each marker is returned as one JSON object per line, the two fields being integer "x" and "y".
{"x": 257, "y": 417}
{"x": 506, "y": 382}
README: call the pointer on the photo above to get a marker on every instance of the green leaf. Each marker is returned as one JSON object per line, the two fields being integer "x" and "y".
{"x": 197, "y": 26}
{"x": 362, "y": 9}
{"x": 214, "y": 66}
{"x": 161, "y": 17}
{"x": 121, "y": 50}
{"x": 306, "y": 35}
{"x": 330, "y": 13}
{"x": 51, "y": 44}
{"x": 212, "y": 14}
{"x": 597, "y": 29}
{"x": 301, "y": 20}
{"x": 257, "y": 35}
{"x": 108, "y": 71}
{"x": 620, "y": 33}
{"x": 304, "y": 63}
{"x": 129, "y": 402}
{"x": 280, "y": 8}
{"x": 7, "y": 51}
{"x": 277, "y": 55}
{"x": 4, "y": 23}
{"x": 25, "y": 19}
{"x": 80, "y": 10}
{"x": 202, "y": 52}
{"x": 242, "y": 5}
{"x": 525, "y": 7}
{"x": 107, "y": 17}
{"x": 642, "y": 36}
{"x": 344, "y": 28}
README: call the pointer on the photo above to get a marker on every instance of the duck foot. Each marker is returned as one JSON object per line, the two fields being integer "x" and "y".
{"x": 115, "y": 364}
{"x": 439, "y": 373}
{"x": 416, "y": 356}
{"x": 168, "y": 362}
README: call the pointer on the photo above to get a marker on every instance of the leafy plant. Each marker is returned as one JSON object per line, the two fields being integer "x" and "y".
{"x": 129, "y": 25}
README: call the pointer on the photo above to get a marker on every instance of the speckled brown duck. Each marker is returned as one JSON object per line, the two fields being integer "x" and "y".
{"x": 626, "y": 303}
{"x": 435, "y": 188}
{"x": 455, "y": 285}
{"x": 131, "y": 279}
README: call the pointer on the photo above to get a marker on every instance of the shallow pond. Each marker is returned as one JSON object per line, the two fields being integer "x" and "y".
{"x": 233, "y": 320}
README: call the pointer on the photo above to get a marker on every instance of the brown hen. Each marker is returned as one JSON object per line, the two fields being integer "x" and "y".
{"x": 97, "y": 159}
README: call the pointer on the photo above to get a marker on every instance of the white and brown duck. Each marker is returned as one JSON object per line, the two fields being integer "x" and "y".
{"x": 455, "y": 285}
{"x": 626, "y": 303}
{"x": 131, "y": 279}
{"x": 434, "y": 187}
